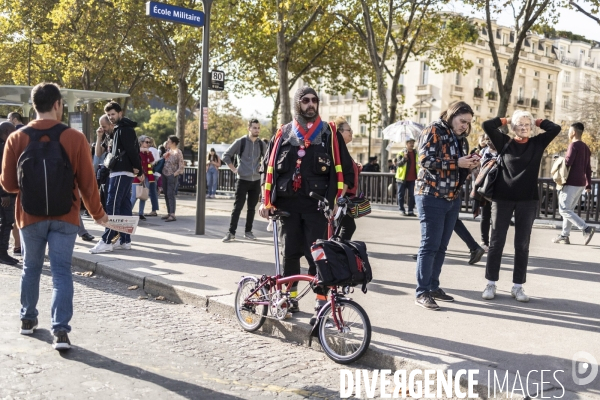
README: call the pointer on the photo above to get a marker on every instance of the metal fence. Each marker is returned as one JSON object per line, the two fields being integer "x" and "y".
{"x": 381, "y": 188}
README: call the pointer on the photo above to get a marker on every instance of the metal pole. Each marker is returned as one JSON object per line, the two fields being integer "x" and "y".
{"x": 29, "y": 65}
{"x": 202, "y": 137}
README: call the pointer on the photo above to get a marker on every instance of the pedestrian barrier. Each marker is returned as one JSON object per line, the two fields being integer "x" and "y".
{"x": 380, "y": 188}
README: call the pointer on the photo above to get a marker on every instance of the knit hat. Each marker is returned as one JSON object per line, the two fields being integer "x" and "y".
{"x": 300, "y": 93}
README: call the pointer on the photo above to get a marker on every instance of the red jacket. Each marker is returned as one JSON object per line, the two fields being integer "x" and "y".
{"x": 147, "y": 160}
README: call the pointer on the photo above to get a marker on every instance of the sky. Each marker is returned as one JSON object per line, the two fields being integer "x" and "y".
{"x": 260, "y": 107}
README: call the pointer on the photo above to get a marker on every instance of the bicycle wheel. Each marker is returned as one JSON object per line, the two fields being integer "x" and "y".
{"x": 350, "y": 343}
{"x": 250, "y": 316}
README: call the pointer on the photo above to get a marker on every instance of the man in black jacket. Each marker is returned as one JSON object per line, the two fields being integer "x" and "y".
{"x": 7, "y": 209}
{"x": 125, "y": 151}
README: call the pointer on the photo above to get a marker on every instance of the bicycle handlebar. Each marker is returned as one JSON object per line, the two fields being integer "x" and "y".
{"x": 318, "y": 197}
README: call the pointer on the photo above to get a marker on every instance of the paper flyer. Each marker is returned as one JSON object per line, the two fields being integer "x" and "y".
{"x": 123, "y": 223}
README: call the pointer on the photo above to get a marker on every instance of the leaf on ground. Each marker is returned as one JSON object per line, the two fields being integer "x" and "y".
{"x": 142, "y": 298}
{"x": 86, "y": 274}
{"x": 133, "y": 287}
{"x": 160, "y": 298}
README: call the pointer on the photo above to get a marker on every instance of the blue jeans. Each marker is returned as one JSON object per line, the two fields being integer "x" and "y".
{"x": 118, "y": 202}
{"x": 438, "y": 217}
{"x": 60, "y": 237}
{"x": 212, "y": 180}
{"x": 153, "y": 193}
{"x": 402, "y": 186}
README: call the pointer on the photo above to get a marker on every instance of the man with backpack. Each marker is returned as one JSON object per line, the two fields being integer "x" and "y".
{"x": 123, "y": 161}
{"x": 249, "y": 151}
{"x": 48, "y": 165}
{"x": 7, "y": 209}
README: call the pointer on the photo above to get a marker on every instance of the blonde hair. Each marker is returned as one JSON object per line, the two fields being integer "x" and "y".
{"x": 340, "y": 122}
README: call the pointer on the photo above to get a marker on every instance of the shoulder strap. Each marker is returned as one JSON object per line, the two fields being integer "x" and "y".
{"x": 242, "y": 146}
{"x": 53, "y": 133}
{"x": 502, "y": 152}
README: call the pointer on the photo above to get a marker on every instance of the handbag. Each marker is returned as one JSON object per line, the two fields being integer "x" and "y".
{"x": 359, "y": 206}
{"x": 158, "y": 167}
{"x": 111, "y": 158}
{"x": 486, "y": 180}
{"x": 142, "y": 192}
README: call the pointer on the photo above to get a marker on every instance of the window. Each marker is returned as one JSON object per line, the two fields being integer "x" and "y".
{"x": 549, "y": 85}
{"x": 491, "y": 110}
{"x": 498, "y": 34}
{"x": 548, "y": 96}
{"x": 534, "y": 94}
{"x": 549, "y": 76}
{"x": 587, "y": 82}
{"x": 457, "y": 79}
{"x": 536, "y": 73}
{"x": 476, "y": 108}
{"x": 348, "y": 119}
{"x": 479, "y": 71}
{"x": 512, "y": 37}
{"x": 423, "y": 117}
{"x": 480, "y": 61}
{"x": 567, "y": 76}
{"x": 363, "y": 126}
{"x": 520, "y": 93}
{"x": 561, "y": 52}
{"x": 533, "y": 45}
{"x": 522, "y": 71}
{"x": 424, "y": 74}
{"x": 478, "y": 82}
{"x": 565, "y": 102}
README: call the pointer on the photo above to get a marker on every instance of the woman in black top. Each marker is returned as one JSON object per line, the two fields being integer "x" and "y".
{"x": 515, "y": 191}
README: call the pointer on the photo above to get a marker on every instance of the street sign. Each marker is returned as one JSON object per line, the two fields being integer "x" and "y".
{"x": 174, "y": 14}
{"x": 217, "y": 80}
{"x": 205, "y": 117}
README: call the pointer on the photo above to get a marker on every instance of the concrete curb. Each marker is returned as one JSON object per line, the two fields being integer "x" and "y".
{"x": 219, "y": 304}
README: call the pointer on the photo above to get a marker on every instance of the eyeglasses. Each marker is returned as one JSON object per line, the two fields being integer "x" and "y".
{"x": 308, "y": 100}
{"x": 147, "y": 141}
{"x": 522, "y": 126}
{"x": 347, "y": 130}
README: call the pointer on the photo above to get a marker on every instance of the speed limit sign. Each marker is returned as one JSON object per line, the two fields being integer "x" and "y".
{"x": 217, "y": 80}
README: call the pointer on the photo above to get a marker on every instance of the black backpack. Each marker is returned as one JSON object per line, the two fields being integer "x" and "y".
{"x": 342, "y": 263}
{"x": 46, "y": 178}
{"x": 236, "y": 159}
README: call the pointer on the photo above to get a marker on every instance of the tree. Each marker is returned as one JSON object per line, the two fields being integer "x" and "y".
{"x": 160, "y": 126}
{"x": 394, "y": 31}
{"x": 526, "y": 14}
{"x": 592, "y": 14}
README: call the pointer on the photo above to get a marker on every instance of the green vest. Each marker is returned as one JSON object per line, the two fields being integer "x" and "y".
{"x": 401, "y": 171}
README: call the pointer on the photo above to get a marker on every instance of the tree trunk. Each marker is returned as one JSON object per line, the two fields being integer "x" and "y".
{"x": 182, "y": 91}
{"x": 274, "y": 124}
{"x": 385, "y": 118}
{"x": 282, "y": 68}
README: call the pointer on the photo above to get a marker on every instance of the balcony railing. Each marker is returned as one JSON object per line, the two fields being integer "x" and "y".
{"x": 492, "y": 96}
{"x": 478, "y": 92}
{"x": 520, "y": 101}
{"x": 569, "y": 61}
{"x": 548, "y": 105}
{"x": 589, "y": 63}
{"x": 535, "y": 103}
{"x": 381, "y": 189}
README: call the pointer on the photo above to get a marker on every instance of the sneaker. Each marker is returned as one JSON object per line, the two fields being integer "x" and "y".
{"x": 441, "y": 295}
{"x": 476, "y": 255}
{"x": 427, "y": 302}
{"x": 28, "y": 326}
{"x": 87, "y": 237}
{"x": 101, "y": 247}
{"x": 61, "y": 341}
{"x": 229, "y": 237}
{"x": 563, "y": 239}
{"x": 293, "y": 308}
{"x": 489, "y": 292}
{"x": 122, "y": 246}
{"x": 318, "y": 306}
{"x": 411, "y": 214}
{"x": 249, "y": 235}
{"x": 142, "y": 218}
{"x": 404, "y": 213}
{"x": 519, "y": 294}
{"x": 484, "y": 246}
{"x": 587, "y": 235}
{"x": 6, "y": 259}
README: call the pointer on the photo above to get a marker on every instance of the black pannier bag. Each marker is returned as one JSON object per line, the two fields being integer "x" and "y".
{"x": 342, "y": 263}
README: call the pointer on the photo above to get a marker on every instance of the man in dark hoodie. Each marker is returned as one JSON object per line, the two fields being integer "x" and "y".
{"x": 304, "y": 162}
{"x": 126, "y": 150}
{"x": 7, "y": 209}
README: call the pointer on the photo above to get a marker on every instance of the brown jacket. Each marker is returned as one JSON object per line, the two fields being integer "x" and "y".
{"x": 78, "y": 150}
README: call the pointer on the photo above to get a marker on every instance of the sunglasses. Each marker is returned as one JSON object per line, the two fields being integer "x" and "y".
{"x": 147, "y": 141}
{"x": 308, "y": 100}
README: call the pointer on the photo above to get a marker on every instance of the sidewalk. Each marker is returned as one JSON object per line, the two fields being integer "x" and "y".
{"x": 562, "y": 318}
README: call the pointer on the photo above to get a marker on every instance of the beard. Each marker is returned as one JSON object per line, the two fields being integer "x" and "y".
{"x": 310, "y": 114}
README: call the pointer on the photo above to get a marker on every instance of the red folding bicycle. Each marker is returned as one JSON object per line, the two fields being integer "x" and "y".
{"x": 343, "y": 327}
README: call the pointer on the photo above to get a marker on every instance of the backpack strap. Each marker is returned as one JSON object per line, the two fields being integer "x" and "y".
{"x": 53, "y": 133}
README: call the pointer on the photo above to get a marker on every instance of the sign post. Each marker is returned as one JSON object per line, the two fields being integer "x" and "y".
{"x": 187, "y": 16}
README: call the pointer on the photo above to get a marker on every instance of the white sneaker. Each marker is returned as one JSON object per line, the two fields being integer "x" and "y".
{"x": 101, "y": 247}
{"x": 122, "y": 246}
{"x": 489, "y": 292}
{"x": 519, "y": 294}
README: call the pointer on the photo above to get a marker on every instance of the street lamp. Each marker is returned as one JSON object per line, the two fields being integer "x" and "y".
{"x": 35, "y": 40}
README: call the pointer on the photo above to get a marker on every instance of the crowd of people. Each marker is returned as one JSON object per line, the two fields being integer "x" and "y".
{"x": 305, "y": 155}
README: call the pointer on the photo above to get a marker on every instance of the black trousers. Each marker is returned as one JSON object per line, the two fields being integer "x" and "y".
{"x": 7, "y": 219}
{"x": 299, "y": 231}
{"x": 502, "y": 211}
{"x": 486, "y": 222}
{"x": 243, "y": 189}
{"x": 348, "y": 228}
